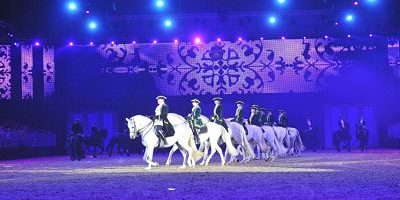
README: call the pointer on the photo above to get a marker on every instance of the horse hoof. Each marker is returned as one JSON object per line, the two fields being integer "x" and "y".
{"x": 156, "y": 164}
{"x": 222, "y": 164}
{"x": 167, "y": 164}
{"x": 147, "y": 168}
{"x": 182, "y": 167}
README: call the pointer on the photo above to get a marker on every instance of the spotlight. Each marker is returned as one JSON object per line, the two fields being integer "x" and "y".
{"x": 218, "y": 39}
{"x": 87, "y": 12}
{"x": 326, "y": 37}
{"x": 167, "y": 23}
{"x": 112, "y": 42}
{"x": 348, "y": 35}
{"x": 370, "y": 35}
{"x": 240, "y": 39}
{"x": 349, "y": 18}
{"x": 197, "y": 40}
{"x": 271, "y": 20}
{"x": 92, "y": 25}
{"x": 283, "y": 37}
{"x": 72, "y": 6}
{"x": 261, "y": 38}
{"x": 281, "y": 2}
{"x": 154, "y": 41}
{"x": 91, "y": 43}
{"x": 15, "y": 44}
{"x": 71, "y": 44}
{"x": 371, "y": 1}
{"x": 336, "y": 23}
{"x": 160, "y": 4}
{"x": 304, "y": 37}
{"x": 175, "y": 41}
{"x": 37, "y": 43}
{"x": 355, "y": 3}
{"x": 133, "y": 42}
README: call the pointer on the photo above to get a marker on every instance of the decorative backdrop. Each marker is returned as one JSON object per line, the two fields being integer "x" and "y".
{"x": 27, "y": 72}
{"x": 5, "y": 72}
{"x": 394, "y": 56}
{"x": 48, "y": 72}
{"x": 242, "y": 67}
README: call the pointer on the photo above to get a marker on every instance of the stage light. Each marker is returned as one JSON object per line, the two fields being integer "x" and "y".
{"x": 15, "y": 44}
{"x": 326, "y": 37}
{"x": 175, "y": 41}
{"x": 336, "y": 23}
{"x": 261, "y": 38}
{"x": 87, "y": 12}
{"x": 304, "y": 37}
{"x": 160, "y": 4}
{"x": 112, "y": 42}
{"x": 240, "y": 39}
{"x": 370, "y": 35}
{"x": 348, "y": 35}
{"x": 92, "y": 25}
{"x": 133, "y": 42}
{"x": 71, "y": 44}
{"x": 167, "y": 23}
{"x": 371, "y": 1}
{"x": 154, "y": 41}
{"x": 283, "y": 38}
{"x": 72, "y": 6}
{"x": 218, "y": 39}
{"x": 91, "y": 43}
{"x": 272, "y": 20}
{"x": 37, "y": 43}
{"x": 197, "y": 40}
{"x": 349, "y": 18}
{"x": 355, "y": 3}
{"x": 281, "y": 2}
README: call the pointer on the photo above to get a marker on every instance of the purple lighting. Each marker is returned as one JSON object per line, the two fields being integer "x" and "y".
{"x": 37, "y": 44}
{"x": 218, "y": 39}
{"x": 154, "y": 41}
{"x": 112, "y": 42}
{"x": 197, "y": 40}
{"x": 283, "y": 38}
{"x": 240, "y": 39}
{"x": 348, "y": 36}
{"x": 356, "y": 3}
{"x": 175, "y": 41}
{"x": 133, "y": 42}
{"x": 370, "y": 35}
{"x": 71, "y": 44}
{"x": 326, "y": 37}
{"x": 91, "y": 43}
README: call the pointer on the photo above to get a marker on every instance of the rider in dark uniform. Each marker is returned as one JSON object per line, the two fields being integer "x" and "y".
{"x": 239, "y": 114}
{"x": 163, "y": 127}
{"x": 270, "y": 118}
{"x": 217, "y": 117}
{"x": 263, "y": 116}
{"x": 282, "y": 119}
{"x": 195, "y": 119}
{"x": 77, "y": 141}
{"x": 362, "y": 133}
{"x": 254, "y": 116}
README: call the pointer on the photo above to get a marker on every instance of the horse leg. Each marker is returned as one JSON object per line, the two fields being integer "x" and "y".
{"x": 221, "y": 155}
{"x": 186, "y": 149}
{"x": 149, "y": 158}
{"x": 213, "y": 150}
{"x": 258, "y": 151}
{"x": 171, "y": 152}
{"x": 205, "y": 154}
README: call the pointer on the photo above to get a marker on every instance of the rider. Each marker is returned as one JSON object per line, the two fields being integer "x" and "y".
{"x": 263, "y": 115}
{"x": 282, "y": 119}
{"x": 195, "y": 119}
{"x": 254, "y": 116}
{"x": 239, "y": 114}
{"x": 217, "y": 117}
{"x": 161, "y": 123}
{"x": 270, "y": 118}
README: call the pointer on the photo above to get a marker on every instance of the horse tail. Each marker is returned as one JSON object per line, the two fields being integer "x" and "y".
{"x": 299, "y": 143}
{"x": 196, "y": 154}
{"x": 247, "y": 146}
{"x": 227, "y": 139}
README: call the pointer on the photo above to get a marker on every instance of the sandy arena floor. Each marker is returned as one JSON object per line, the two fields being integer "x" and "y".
{"x": 323, "y": 175}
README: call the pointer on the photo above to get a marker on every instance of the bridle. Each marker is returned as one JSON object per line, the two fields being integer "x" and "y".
{"x": 142, "y": 129}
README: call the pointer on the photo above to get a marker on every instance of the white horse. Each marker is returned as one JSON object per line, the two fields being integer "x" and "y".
{"x": 276, "y": 148}
{"x": 238, "y": 136}
{"x": 144, "y": 126}
{"x": 290, "y": 136}
{"x": 256, "y": 138}
{"x": 210, "y": 138}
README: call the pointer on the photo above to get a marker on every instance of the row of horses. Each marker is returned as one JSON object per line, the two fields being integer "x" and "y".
{"x": 270, "y": 142}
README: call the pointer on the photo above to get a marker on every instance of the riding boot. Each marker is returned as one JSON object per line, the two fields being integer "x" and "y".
{"x": 196, "y": 137}
{"x": 161, "y": 136}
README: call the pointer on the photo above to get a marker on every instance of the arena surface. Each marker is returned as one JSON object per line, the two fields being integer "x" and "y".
{"x": 323, "y": 175}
